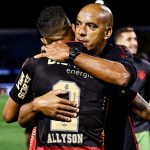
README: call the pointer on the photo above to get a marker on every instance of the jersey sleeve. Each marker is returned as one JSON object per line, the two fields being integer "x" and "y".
{"x": 128, "y": 95}
{"x": 122, "y": 55}
{"x": 21, "y": 92}
{"x": 146, "y": 66}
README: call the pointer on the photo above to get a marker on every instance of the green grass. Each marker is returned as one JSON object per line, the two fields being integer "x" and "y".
{"x": 12, "y": 136}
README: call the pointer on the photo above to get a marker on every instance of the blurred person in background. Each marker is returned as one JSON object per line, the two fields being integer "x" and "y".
{"x": 127, "y": 36}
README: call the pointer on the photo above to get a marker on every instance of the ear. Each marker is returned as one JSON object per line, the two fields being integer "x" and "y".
{"x": 44, "y": 41}
{"x": 108, "y": 33}
{"x": 73, "y": 27}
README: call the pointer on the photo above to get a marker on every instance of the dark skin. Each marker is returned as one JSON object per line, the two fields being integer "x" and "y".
{"x": 53, "y": 108}
{"x": 114, "y": 72}
{"x": 49, "y": 105}
{"x": 93, "y": 28}
{"x": 141, "y": 108}
{"x": 56, "y": 109}
{"x": 92, "y": 32}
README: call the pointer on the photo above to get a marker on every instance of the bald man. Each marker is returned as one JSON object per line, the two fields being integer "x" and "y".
{"x": 92, "y": 74}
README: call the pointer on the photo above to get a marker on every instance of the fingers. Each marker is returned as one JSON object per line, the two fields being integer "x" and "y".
{"x": 42, "y": 48}
{"x": 67, "y": 102}
{"x": 59, "y": 92}
{"x": 63, "y": 118}
{"x": 60, "y": 41}
{"x": 41, "y": 55}
{"x": 68, "y": 108}
{"x": 67, "y": 113}
{"x": 45, "y": 55}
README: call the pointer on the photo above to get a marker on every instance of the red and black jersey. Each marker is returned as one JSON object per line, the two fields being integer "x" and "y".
{"x": 39, "y": 76}
{"x": 119, "y": 131}
{"x": 142, "y": 86}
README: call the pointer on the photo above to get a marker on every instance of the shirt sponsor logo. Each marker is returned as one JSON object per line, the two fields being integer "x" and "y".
{"x": 51, "y": 62}
{"x": 74, "y": 70}
{"x": 22, "y": 85}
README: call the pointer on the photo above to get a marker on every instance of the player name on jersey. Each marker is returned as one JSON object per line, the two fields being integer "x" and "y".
{"x": 65, "y": 138}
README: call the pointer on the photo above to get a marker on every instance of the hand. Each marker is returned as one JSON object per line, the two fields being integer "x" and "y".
{"x": 55, "y": 107}
{"x": 57, "y": 51}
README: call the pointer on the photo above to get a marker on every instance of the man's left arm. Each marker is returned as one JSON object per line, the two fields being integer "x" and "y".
{"x": 140, "y": 107}
{"x": 110, "y": 71}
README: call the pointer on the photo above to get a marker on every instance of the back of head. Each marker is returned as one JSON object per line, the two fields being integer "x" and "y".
{"x": 53, "y": 23}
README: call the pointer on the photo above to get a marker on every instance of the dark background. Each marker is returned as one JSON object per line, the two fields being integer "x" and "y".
{"x": 19, "y": 38}
{"x": 18, "y": 14}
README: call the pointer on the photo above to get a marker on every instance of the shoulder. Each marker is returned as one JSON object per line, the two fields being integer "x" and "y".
{"x": 145, "y": 62}
{"x": 31, "y": 61}
{"x": 146, "y": 65}
{"x": 118, "y": 51}
{"x": 142, "y": 62}
{"x": 30, "y": 65}
{"x": 122, "y": 49}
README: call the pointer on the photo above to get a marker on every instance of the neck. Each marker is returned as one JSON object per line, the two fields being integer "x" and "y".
{"x": 100, "y": 49}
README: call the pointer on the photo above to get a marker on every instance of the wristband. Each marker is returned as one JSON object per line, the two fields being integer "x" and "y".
{"x": 74, "y": 52}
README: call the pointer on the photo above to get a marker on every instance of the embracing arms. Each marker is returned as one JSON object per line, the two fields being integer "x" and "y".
{"x": 107, "y": 70}
{"x": 141, "y": 108}
{"x": 49, "y": 105}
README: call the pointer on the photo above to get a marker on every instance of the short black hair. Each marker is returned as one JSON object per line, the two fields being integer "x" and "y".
{"x": 52, "y": 20}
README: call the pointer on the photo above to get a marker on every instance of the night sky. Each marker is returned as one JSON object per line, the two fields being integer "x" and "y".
{"x": 23, "y": 13}
{"x": 15, "y": 47}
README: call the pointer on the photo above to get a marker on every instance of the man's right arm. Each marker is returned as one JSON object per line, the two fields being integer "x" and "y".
{"x": 11, "y": 110}
{"x": 115, "y": 72}
{"x": 16, "y": 98}
{"x": 50, "y": 105}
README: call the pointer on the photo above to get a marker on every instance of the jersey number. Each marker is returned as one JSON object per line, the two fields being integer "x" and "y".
{"x": 74, "y": 95}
